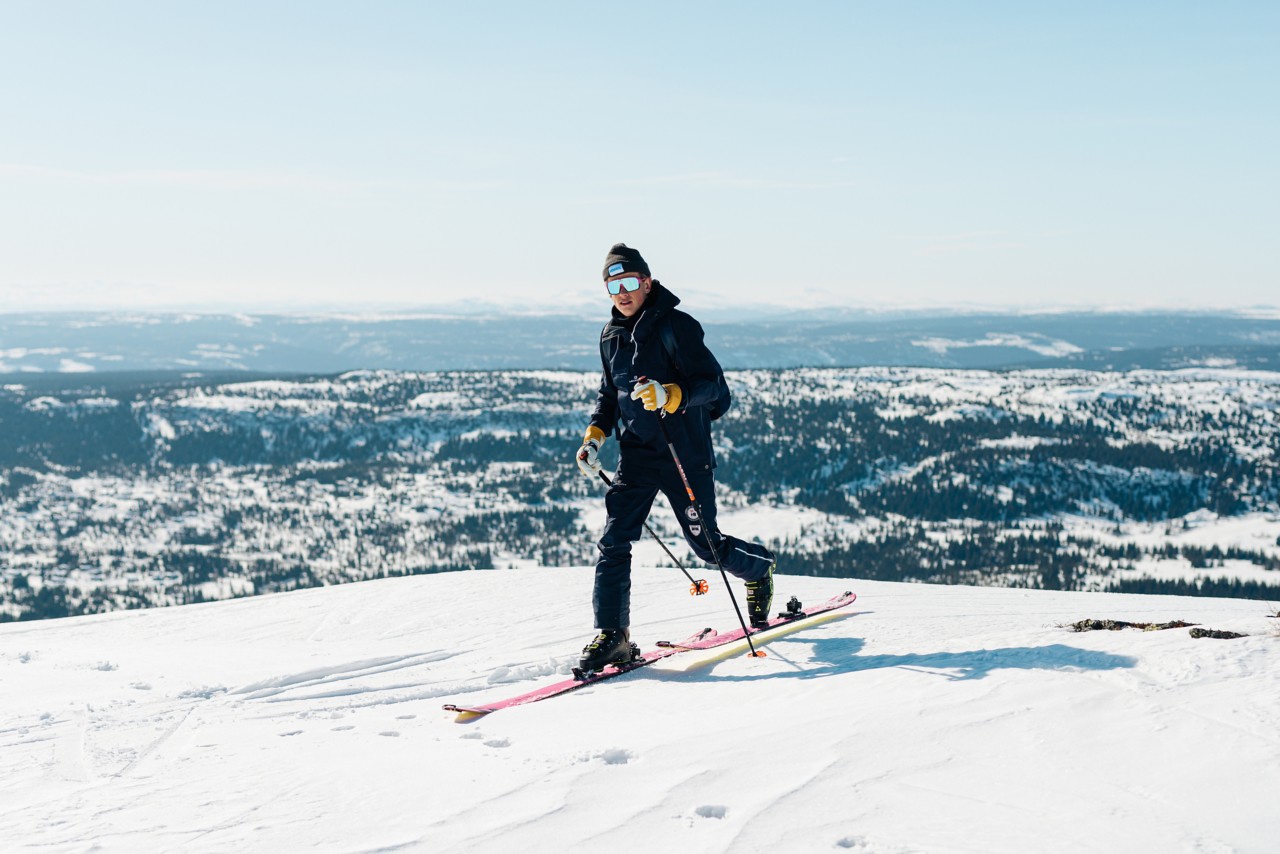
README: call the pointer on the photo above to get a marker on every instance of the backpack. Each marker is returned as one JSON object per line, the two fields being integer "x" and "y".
{"x": 609, "y": 344}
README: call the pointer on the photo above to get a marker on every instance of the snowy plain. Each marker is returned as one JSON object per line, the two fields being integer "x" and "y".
{"x": 931, "y": 719}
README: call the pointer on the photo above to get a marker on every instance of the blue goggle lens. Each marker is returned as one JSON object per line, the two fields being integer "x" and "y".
{"x": 631, "y": 283}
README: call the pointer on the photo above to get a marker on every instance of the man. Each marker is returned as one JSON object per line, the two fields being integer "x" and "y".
{"x": 656, "y": 366}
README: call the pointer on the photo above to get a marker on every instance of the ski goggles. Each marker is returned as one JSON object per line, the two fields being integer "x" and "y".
{"x": 629, "y": 284}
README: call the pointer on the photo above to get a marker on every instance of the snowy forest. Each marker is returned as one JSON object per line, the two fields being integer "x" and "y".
{"x": 131, "y": 491}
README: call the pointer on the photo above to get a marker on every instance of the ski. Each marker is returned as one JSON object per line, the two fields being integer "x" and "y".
{"x": 783, "y": 624}
{"x": 794, "y": 618}
{"x": 470, "y": 713}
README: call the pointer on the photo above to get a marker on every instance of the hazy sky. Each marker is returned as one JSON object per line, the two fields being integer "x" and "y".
{"x": 311, "y": 155}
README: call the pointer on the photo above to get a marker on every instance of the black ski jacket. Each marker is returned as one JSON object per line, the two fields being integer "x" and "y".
{"x": 632, "y": 348}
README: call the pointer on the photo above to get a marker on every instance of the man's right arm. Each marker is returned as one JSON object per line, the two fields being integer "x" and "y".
{"x": 605, "y": 415}
{"x": 603, "y": 419}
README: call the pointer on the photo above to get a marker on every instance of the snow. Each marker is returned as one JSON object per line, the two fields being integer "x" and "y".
{"x": 932, "y": 719}
{"x": 1259, "y": 532}
{"x": 1039, "y": 344}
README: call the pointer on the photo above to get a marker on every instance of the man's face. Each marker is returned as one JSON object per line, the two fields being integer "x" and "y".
{"x": 627, "y": 301}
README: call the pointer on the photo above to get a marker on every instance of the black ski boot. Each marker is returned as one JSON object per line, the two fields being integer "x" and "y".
{"x": 759, "y": 598}
{"x": 611, "y": 646}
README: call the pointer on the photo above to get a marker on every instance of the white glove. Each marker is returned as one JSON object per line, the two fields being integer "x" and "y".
{"x": 589, "y": 459}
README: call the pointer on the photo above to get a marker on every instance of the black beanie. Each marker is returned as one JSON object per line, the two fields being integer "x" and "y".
{"x": 623, "y": 259}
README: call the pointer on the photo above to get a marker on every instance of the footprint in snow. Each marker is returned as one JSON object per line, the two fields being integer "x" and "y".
{"x": 712, "y": 811}
{"x": 343, "y": 728}
{"x": 291, "y": 733}
{"x": 611, "y": 756}
{"x": 390, "y": 734}
{"x": 498, "y": 742}
{"x": 616, "y": 756}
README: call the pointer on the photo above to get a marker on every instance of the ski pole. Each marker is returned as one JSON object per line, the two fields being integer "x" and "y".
{"x": 693, "y": 500}
{"x": 696, "y": 588}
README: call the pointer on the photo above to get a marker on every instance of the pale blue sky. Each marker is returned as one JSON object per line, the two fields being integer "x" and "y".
{"x": 306, "y": 156}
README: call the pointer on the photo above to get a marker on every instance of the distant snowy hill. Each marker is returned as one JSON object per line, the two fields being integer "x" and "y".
{"x": 118, "y": 493}
{"x": 139, "y": 341}
{"x": 933, "y": 719}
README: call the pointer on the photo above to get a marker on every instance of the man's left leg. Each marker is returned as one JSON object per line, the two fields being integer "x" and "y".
{"x": 751, "y": 562}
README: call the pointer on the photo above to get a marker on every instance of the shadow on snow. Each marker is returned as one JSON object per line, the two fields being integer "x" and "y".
{"x": 832, "y": 656}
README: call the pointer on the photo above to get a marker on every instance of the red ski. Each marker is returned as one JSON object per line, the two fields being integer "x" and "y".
{"x": 793, "y": 619}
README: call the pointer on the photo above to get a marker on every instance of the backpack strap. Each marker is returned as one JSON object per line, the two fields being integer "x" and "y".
{"x": 669, "y": 343}
{"x": 608, "y": 344}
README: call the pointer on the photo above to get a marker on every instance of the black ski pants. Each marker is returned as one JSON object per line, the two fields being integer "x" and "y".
{"x": 628, "y": 505}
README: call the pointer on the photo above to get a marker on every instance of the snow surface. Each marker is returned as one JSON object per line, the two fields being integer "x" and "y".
{"x": 932, "y": 719}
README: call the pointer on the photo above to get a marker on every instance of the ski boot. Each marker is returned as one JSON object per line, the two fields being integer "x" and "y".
{"x": 759, "y": 598}
{"x": 611, "y": 646}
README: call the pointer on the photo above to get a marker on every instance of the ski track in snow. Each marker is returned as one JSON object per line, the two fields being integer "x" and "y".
{"x": 931, "y": 719}
{"x": 275, "y": 687}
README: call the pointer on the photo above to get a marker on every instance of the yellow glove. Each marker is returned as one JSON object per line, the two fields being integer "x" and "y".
{"x": 654, "y": 395}
{"x": 588, "y": 459}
